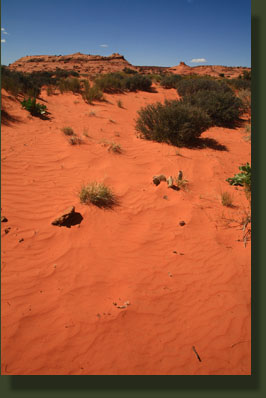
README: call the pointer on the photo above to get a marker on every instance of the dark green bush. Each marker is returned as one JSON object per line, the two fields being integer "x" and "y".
{"x": 34, "y": 108}
{"x": 172, "y": 122}
{"x": 224, "y": 108}
{"x": 137, "y": 82}
{"x": 92, "y": 94}
{"x": 170, "y": 81}
{"x": 191, "y": 86}
{"x": 243, "y": 178}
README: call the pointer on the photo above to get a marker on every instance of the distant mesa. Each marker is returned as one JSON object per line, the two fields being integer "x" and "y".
{"x": 89, "y": 64}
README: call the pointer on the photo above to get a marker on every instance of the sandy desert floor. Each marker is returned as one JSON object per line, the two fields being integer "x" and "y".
{"x": 186, "y": 288}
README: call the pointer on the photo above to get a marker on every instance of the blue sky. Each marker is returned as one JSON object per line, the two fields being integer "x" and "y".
{"x": 146, "y": 32}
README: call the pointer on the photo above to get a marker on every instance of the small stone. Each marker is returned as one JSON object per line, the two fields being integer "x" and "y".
{"x": 157, "y": 179}
{"x": 4, "y": 219}
{"x": 21, "y": 240}
{"x": 175, "y": 252}
{"x": 7, "y": 230}
{"x": 165, "y": 197}
{"x": 182, "y": 223}
{"x": 170, "y": 182}
{"x": 169, "y": 273}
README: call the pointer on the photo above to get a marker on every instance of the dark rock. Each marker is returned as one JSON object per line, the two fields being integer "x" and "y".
{"x": 157, "y": 179}
{"x": 4, "y": 219}
{"x": 7, "y": 230}
{"x": 182, "y": 223}
{"x": 21, "y": 240}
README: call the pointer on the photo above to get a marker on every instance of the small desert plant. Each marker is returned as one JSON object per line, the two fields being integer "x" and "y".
{"x": 181, "y": 183}
{"x": 98, "y": 194}
{"x": 33, "y": 107}
{"x": 173, "y": 122}
{"x": 49, "y": 90}
{"x": 68, "y": 131}
{"x": 243, "y": 178}
{"x": 130, "y": 71}
{"x": 114, "y": 147}
{"x": 69, "y": 84}
{"x": 226, "y": 199}
{"x": 240, "y": 84}
{"x": 74, "y": 140}
{"x": 119, "y": 104}
{"x": 248, "y": 131}
{"x": 85, "y": 133}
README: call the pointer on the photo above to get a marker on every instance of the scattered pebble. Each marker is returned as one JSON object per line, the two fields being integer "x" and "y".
{"x": 4, "y": 219}
{"x": 182, "y": 223}
{"x": 7, "y": 230}
{"x": 169, "y": 273}
{"x": 175, "y": 252}
{"x": 21, "y": 240}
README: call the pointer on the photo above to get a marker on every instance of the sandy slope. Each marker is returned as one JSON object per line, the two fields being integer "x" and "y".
{"x": 188, "y": 286}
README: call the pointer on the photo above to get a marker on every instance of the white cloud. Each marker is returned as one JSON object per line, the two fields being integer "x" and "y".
{"x": 198, "y": 60}
{"x": 5, "y": 33}
{"x": 3, "y": 40}
{"x": 103, "y": 45}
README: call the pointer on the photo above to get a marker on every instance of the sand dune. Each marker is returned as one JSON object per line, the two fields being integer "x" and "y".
{"x": 181, "y": 286}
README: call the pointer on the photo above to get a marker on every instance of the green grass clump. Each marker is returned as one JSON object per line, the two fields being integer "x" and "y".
{"x": 118, "y": 82}
{"x": 68, "y": 131}
{"x": 173, "y": 122}
{"x": 119, "y": 104}
{"x": 91, "y": 94}
{"x": 98, "y": 194}
{"x": 74, "y": 140}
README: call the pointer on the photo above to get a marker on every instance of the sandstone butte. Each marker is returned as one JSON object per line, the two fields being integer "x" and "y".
{"x": 93, "y": 64}
{"x": 160, "y": 284}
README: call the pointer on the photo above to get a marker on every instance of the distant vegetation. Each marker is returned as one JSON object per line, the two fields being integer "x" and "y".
{"x": 193, "y": 85}
{"x": 31, "y": 83}
{"x": 170, "y": 81}
{"x": 118, "y": 82}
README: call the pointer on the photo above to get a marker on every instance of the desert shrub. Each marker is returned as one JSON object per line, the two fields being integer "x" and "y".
{"x": 69, "y": 84}
{"x": 110, "y": 83}
{"x": 137, "y": 82}
{"x": 243, "y": 178}
{"x": 130, "y": 71}
{"x": 98, "y": 194}
{"x": 119, "y": 104}
{"x": 239, "y": 84}
{"x": 74, "y": 140}
{"x": 68, "y": 131}
{"x": 170, "y": 81}
{"x": 191, "y": 86}
{"x": 155, "y": 77}
{"x": 226, "y": 199}
{"x": 223, "y": 107}
{"x": 91, "y": 94}
{"x": 33, "y": 107}
{"x": 245, "y": 97}
{"x": 62, "y": 73}
{"x": 172, "y": 122}
{"x": 18, "y": 82}
{"x": 221, "y": 74}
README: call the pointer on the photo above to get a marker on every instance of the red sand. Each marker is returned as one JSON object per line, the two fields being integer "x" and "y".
{"x": 188, "y": 286}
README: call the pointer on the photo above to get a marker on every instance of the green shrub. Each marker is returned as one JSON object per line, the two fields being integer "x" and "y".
{"x": 172, "y": 122}
{"x": 137, "y": 82}
{"x": 191, "y": 86}
{"x": 91, "y": 94}
{"x": 34, "y": 108}
{"x": 226, "y": 199}
{"x": 110, "y": 83}
{"x": 224, "y": 108}
{"x": 170, "y": 81}
{"x": 239, "y": 84}
{"x": 98, "y": 194}
{"x": 245, "y": 97}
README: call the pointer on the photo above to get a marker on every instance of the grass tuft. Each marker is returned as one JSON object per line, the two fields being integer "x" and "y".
{"x": 98, "y": 194}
